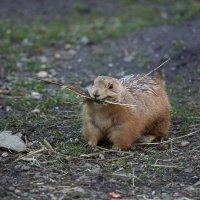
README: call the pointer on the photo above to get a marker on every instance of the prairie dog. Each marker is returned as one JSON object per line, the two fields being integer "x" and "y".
{"x": 122, "y": 126}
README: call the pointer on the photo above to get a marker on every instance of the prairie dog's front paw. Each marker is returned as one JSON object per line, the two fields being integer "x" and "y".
{"x": 92, "y": 143}
{"x": 116, "y": 148}
{"x": 147, "y": 139}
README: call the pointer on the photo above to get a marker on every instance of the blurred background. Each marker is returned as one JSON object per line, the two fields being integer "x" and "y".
{"x": 73, "y": 41}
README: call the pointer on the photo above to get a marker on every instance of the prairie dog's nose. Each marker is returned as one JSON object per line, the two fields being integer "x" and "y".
{"x": 96, "y": 95}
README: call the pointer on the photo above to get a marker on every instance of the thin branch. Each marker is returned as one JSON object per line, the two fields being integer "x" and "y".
{"x": 171, "y": 139}
{"x": 155, "y": 69}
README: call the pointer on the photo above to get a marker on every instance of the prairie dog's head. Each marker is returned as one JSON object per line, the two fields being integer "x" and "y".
{"x": 105, "y": 87}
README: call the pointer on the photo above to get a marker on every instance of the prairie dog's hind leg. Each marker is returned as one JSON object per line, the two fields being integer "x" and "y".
{"x": 123, "y": 137}
{"x": 91, "y": 133}
{"x": 159, "y": 130}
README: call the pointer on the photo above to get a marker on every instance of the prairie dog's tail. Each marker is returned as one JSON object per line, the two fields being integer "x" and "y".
{"x": 160, "y": 77}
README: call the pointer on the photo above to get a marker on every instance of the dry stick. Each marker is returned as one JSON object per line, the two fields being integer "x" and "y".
{"x": 172, "y": 139}
{"x": 166, "y": 166}
{"x": 155, "y": 69}
{"x": 82, "y": 93}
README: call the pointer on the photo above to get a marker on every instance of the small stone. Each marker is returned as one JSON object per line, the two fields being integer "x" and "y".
{"x": 96, "y": 170}
{"x": 17, "y": 191}
{"x": 17, "y": 167}
{"x": 79, "y": 60}
{"x": 68, "y": 46}
{"x": 36, "y": 111}
{"x": 72, "y": 52}
{"x": 26, "y": 42}
{"x": 83, "y": 178}
{"x": 185, "y": 143}
{"x": 8, "y": 108}
{"x": 177, "y": 194}
{"x": 43, "y": 59}
{"x": 4, "y": 154}
{"x": 101, "y": 156}
{"x": 42, "y": 74}
{"x": 19, "y": 65}
{"x": 84, "y": 40}
{"x": 76, "y": 140}
{"x": 35, "y": 95}
{"x": 25, "y": 194}
{"x": 43, "y": 66}
{"x": 29, "y": 144}
{"x": 25, "y": 168}
{"x": 188, "y": 170}
{"x": 11, "y": 188}
{"x": 79, "y": 189}
{"x": 163, "y": 15}
{"x": 110, "y": 65}
{"x": 165, "y": 196}
{"x": 88, "y": 166}
{"x": 128, "y": 58}
{"x": 57, "y": 55}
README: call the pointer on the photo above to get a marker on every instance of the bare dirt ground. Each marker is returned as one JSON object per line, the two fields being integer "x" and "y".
{"x": 168, "y": 170}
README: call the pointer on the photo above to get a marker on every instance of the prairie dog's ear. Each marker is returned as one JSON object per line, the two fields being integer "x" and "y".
{"x": 160, "y": 77}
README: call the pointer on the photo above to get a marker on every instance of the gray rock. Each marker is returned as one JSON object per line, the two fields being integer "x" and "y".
{"x": 43, "y": 59}
{"x": 188, "y": 170}
{"x": 165, "y": 196}
{"x": 11, "y": 188}
{"x": 128, "y": 58}
{"x": 17, "y": 167}
{"x": 79, "y": 189}
{"x": 88, "y": 166}
{"x": 84, "y": 40}
{"x": 12, "y": 142}
{"x": 17, "y": 191}
{"x": 25, "y": 168}
{"x": 96, "y": 170}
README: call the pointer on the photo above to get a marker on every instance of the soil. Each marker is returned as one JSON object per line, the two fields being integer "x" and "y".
{"x": 177, "y": 174}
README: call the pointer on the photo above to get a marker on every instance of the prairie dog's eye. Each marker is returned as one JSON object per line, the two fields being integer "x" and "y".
{"x": 110, "y": 86}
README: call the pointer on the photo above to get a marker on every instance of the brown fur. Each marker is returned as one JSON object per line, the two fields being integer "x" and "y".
{"x": 121, "y": 125}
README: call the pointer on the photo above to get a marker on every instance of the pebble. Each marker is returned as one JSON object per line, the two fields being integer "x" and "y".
{"x": 185, "y": 143}
{"x": 68, "y": 46}
{"x": 36, "y": 111}
{"x": 17, "y": 191}
{"x": 16, "y": 167}
{"x": 79, "y": 189}
{"x": 26, "y": 42}
{"x": 4, "y": 154}
{"x": 42, "y": 74}
{"x": 76, "y": 140}
{"x": 72, "y": 52}
{"x": 101, "y": 156}
{"x": 88, "y": 166}
{"x": 29, "y": 144}
{"x": 11, "y": 188}
{"x": 165, "y": 196}
{"x": 96, "y": 170}
{"x": 188, "y": 170}
{"x": 43, "y": 59}
{"x": 25, "y": 168}
{"x": 57, "y": 55}
{"x": 35, "y": 95}
{"x": 84, "y": 178}
{"x": 128, "y": 58}
{"x": 85, "y": 40}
